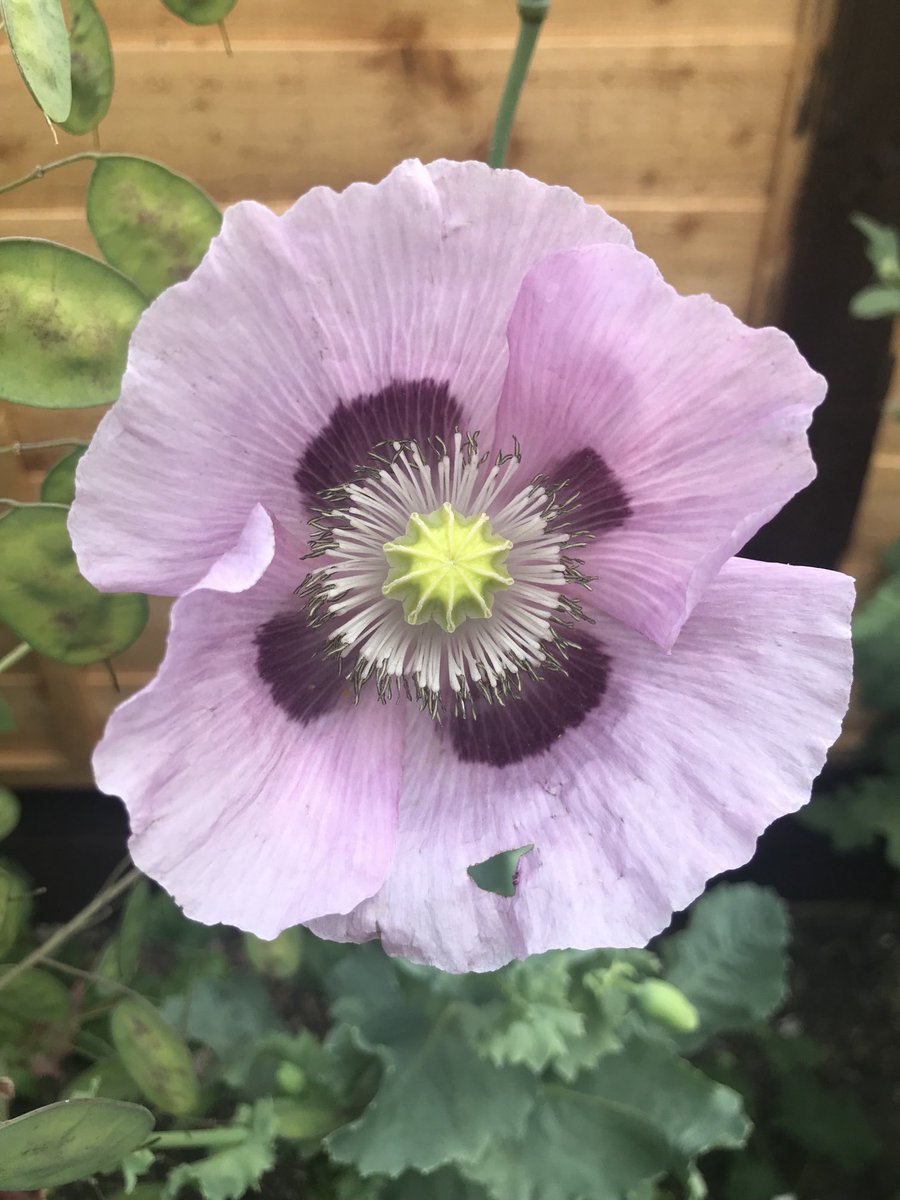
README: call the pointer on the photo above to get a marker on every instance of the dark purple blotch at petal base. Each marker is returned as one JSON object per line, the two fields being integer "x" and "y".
{"x": 598, "y": 501}
{"x": 291, "y": 662}
{"x": 406, "y": 410}
{"x": 530, "y": 721}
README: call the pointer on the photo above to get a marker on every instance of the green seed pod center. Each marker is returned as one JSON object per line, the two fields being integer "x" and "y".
{"x": 446, "y": 567}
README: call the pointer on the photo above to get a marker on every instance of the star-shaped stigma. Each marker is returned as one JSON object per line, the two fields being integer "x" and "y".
{"x": 446, "y": 567}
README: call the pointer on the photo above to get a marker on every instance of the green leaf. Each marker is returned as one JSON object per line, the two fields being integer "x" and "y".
{"x": 854, "y": 816}
{"x": 279, "y": 958}
{"x": 69, "y": 1141}
{"x": 230, "y": 1173}
{"x": 876, "y": 646}
{"x": 92, "y": 68}
{"x": 131, "y": 930}
{"x": 58, "y": 486}
{"x": 151, "y": 224}
{"x": 45, "y": 600}
{"x": 445, "y": 1184}
{"x": 15, "y": 906}
{"x": 882, "y": 246}
{"x": 730, "y": 961}
{"x": 438, "y": 1102}
{"x": 498, "y": 874}
{"x": 10, "y": 812}
{"x": 107, "y": 1078}
{"x": 877, "y": 300}
{"x": 230, "y": 1016}
{"x": 825, "y": 1121}
{"x": 7, "y": 721}
{"x": 133, "y": 1166}
{"x": 40, "y": 44}
{"x": 200, "y": 12}
{"x": 640, "y": 1114}
{"x": 155, "y": 1057}
{"x": 65, "y": 321}
{"x": 35, "y": 1012}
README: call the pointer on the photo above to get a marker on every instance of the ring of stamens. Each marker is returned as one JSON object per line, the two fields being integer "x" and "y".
{"x": 519, "y": 537}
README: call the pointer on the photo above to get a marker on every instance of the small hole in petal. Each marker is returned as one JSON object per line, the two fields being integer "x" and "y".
{"x": 498, "y": 874}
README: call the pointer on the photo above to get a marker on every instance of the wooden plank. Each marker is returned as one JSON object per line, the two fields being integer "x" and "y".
{"x": 877, "y": 521}
{"x": 419, "y": 20}
{"x": 815, "y": 29}
{"x": 644, "y": 120}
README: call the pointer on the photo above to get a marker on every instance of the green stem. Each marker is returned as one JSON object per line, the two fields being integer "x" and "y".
{"x": 40, "y": 172}
{"x": 63, "y": 934}
{"x": 92, "y": 977}
{"x": 192, "y": 1139}
{"x": 15, "y": 655}
{"x": 532, "y": 14}
{"x": 30, "y": 503}
{"x": 49, "y": 444}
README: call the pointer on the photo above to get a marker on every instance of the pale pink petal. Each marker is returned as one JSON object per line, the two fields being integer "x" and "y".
{"x": 246, "y": 814}
{"x": 232, "y": 373}
{"x": 699, "y": 423}
{"x": 666, "y": 783}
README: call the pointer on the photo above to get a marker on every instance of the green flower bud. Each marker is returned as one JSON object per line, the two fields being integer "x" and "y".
{"x": 663, "y": 1002}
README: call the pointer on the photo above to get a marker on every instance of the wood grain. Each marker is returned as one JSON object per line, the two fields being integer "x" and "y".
{"x": 413, "y": 21}
{"x": 640, "y": 120}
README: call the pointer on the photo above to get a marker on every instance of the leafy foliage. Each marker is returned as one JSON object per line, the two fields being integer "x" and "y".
{"x": 882, "y": 298}
{"x": 729, "y": 961}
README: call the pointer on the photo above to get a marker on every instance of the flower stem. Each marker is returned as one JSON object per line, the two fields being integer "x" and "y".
{"x": 30, "y": 503}
{"x": 63, "y": 934}
{"x": 15, "y": 655}
{"x": 40, "y": 172}
{"x": 191, "y": 1139}
{"x": 531, "y": 17}
{"x": 49, "y": 444}
{"x": 91, "y": 977}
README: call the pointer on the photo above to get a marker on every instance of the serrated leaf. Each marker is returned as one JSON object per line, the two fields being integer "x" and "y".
{"x": 445, "y": 1184}
{"x": 92, "y": 68}
{"x": 854, "y": 816}
{"x": 40, "y": 45}
{"x": 131, "y": 930}
{"x": 69, "y": 1141}
{"x": 228, "y": 1174}
{"x": 642, "y": 1113}
{"x": 439, "y": 1102}
{"x": 882, "y": 245}
{"x": 65, "y": 321}
{"x": 155, "y": 1057}
{"x": 876, "y": 646}
{"x": 15, "y": 906}
{"x": 730, "y": 961}
{"x": 200, "y": 12}
{"x": 877, "y": 300}
{"x": 133, "y": 1166}
{"x": 10, "y": 812}
{"x": 151, "y": 224}
{"x": 45, "y": 600}
{"x": 58, "y": 486}
{"x": 231, "y": 1016}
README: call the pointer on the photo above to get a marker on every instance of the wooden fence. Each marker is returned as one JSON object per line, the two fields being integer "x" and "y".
{"x": 683, "y": 117}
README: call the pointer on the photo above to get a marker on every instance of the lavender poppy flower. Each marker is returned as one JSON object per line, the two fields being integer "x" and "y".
{"x": 448, "y": 483}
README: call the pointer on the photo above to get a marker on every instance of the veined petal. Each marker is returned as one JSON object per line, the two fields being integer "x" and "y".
{"x": 698, "y": 420}
{"x": 290, "y": 320}
{"x": 250, "y": 811}
{"x": 685, "y": 760}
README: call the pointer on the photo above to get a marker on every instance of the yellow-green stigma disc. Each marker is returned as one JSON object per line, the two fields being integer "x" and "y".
{"x": 446, "y": 567}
